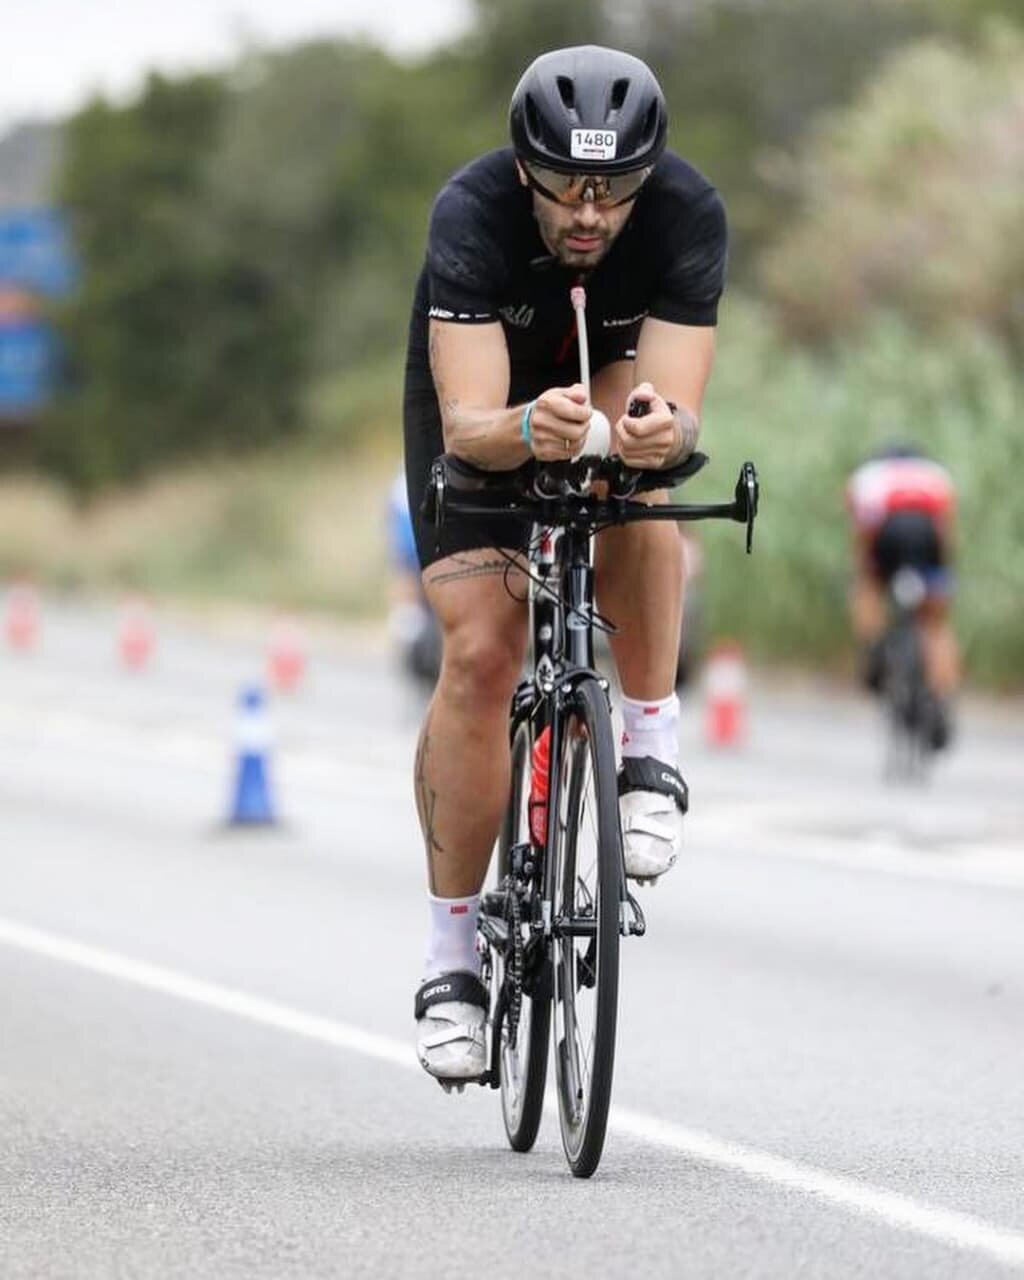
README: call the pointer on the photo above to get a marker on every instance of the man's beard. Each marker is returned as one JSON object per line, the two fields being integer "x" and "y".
{"x": 582, "y": 259}
{"x": 555, "y": 239}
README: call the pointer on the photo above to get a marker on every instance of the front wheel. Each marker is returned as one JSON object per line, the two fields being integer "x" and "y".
{"x": 588, "y": 882}
{"x": 522, "y": 1059}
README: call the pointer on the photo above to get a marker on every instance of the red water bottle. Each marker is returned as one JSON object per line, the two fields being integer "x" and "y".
{"x": 539, "y": 788}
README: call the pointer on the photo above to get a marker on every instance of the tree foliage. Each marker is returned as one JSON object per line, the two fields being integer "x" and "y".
{"x": 176, "y": 344}
{"x": 913, "y": 200}
{"x": 250, "y": 238}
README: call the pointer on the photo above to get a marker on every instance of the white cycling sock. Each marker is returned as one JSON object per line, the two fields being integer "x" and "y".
{"x": 651, "y": 728}
{"x": 452, "y": 941}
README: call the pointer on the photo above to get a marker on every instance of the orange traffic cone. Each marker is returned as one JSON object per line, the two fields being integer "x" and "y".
{"x": 725, "y": 695}
{"x": 136, "y": 635}
{"x": 286, "y": 656}
{"x": 21, "y": 623}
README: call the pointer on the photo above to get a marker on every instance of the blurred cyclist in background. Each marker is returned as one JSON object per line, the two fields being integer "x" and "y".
{"x": 902, "y": 505}
{"x": 411, "y": 620}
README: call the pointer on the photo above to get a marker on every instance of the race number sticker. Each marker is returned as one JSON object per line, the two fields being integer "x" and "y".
{"x": 593, "y": 144}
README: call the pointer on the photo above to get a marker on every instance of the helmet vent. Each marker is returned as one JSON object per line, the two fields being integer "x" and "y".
{"x": 568, "y": 92}
{"x": 618, "y": 96}
{"x": 532, "y": 117}
{"x": 651, "y": 121}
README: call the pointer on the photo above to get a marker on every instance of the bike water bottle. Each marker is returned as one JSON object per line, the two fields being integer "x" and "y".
{"x": 540, "y": 760}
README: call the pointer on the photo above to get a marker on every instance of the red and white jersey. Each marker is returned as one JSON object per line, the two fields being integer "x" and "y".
{"x": 879, "y": 488}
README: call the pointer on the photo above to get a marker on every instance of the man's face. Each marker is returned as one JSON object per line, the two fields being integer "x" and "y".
{"x": 579, "y": 235}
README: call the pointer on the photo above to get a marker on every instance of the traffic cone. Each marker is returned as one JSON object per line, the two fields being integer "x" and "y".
{"x": 251, "y": 803}
{"x": 136, "y": 635}
{"x": 725, "y": 695}
{"x": 21, "y": 622}
{"x": 286, "y": 656}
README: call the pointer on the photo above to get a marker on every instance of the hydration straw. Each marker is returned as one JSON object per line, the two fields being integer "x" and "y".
{"x": 578, "y": 298}
{"x": 597, "y": 442}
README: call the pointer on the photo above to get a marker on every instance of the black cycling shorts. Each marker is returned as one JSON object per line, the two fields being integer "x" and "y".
{"x": 907, "y": 539}
{"x": 424, "y": 441}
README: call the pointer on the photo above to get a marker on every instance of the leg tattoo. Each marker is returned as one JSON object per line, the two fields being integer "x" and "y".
{"x": 426, "y": 802}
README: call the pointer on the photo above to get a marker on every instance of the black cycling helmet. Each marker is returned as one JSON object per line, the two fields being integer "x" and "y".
{"x": 588, "y": 110}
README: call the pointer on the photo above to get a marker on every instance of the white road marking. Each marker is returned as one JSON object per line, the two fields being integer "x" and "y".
{"x": 959, "y": 1230}
{"x": 982, "y": 864}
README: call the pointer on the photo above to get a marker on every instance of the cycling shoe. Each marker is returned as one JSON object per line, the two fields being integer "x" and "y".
{"x": 451, "y": 1012}
{"x": 652, "y": 801}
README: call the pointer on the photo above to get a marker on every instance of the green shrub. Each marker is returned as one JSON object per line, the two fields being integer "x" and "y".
{"x": 913, "y": 199}
{"x": 807, "y": 420}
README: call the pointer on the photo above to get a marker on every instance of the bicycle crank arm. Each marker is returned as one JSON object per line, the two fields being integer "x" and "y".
{"x": 632, "y": 920}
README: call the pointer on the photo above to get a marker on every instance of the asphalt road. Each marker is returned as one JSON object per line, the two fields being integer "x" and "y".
{"x": 206, "y": 1063}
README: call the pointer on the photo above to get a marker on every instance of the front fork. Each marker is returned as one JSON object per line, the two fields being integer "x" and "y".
{"x": 631, "y": 917}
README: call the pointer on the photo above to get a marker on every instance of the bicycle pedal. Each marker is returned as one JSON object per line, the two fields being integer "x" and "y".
{"x": 449, "y": 1085}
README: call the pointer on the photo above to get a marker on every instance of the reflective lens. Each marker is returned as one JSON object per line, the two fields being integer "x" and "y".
{"x": 575, "y": 188}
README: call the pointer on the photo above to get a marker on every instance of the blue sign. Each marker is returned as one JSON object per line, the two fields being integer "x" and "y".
{"x": 27, "y": 366}
{"x": 35, "y": 252}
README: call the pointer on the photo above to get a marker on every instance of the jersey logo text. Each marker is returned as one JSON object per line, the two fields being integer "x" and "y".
{"x": 520, "y": 317}
{"x": 624, "y": 322}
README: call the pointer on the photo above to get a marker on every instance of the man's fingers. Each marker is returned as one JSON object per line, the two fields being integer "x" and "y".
{"x": 555, "y": 413}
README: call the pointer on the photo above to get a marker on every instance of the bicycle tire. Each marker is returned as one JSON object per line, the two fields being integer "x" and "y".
{"x": 904, "y": 686}
{"x": 586, "y": 770}
{"x": 522, "y": 1071}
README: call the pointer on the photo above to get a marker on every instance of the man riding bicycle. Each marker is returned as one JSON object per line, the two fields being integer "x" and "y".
{"x": 902, "y": 504}
{"x": 586, "y": 193}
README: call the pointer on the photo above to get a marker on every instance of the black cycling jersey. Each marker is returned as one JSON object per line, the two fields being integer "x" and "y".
{"x": 486, "y": 262}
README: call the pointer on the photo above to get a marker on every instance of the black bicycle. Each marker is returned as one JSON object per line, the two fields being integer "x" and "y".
{"x": 909, "y": 705}
{"x": 550, "y": 928}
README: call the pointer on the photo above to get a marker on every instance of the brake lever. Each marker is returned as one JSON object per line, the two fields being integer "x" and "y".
{"x": 747, "y": 493}
{"x": 433, "y": 504}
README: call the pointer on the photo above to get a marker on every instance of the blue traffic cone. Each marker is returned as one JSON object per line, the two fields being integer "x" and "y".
{"x": 251, "y": 804}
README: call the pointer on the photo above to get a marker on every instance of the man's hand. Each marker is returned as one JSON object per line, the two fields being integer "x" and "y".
{"x": 559, "y": 422}
{"x": 649, "y": 442}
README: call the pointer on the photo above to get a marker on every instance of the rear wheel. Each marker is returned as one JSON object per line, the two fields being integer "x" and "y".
{"x": 906, "y": 697}
{"x": 522, "y": 1064}
{"x": 585, "y": 961}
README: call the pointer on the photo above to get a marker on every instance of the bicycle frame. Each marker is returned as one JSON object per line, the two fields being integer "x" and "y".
{"x": 562, "y": 633}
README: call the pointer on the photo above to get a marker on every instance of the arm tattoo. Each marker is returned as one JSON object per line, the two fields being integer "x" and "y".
{"x": 689, "y": 431}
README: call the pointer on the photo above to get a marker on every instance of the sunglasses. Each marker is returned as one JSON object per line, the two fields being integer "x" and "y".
{"x": 606, "y": 189}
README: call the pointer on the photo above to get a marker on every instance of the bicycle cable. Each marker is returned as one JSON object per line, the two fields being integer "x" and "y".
{"x": 599, "y": 621}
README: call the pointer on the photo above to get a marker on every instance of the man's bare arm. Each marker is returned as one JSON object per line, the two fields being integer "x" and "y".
{"x": 676, "y": 359}
{"x": 470, "y": 365}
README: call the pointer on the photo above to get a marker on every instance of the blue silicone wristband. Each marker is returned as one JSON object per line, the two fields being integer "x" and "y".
{"x": 524, "y": 425}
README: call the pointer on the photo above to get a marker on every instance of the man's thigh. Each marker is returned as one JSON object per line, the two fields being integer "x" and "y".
{"x": 483, "y": 589}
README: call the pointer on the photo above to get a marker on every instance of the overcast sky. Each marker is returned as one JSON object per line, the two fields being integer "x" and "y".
{"x": 56, "y": 52}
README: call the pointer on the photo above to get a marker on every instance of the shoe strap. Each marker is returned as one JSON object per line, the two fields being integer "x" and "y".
{"x": 455, "y": 1033}
{"x": 647, "y": 774}
{"x": 460, "y": 986}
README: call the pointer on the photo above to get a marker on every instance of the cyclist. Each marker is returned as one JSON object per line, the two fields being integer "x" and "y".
{"x": 586, "y": 193}
{"x": 902, "y": 505}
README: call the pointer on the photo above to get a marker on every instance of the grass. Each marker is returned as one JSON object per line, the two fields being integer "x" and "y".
{"x": 289, "y": 530}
